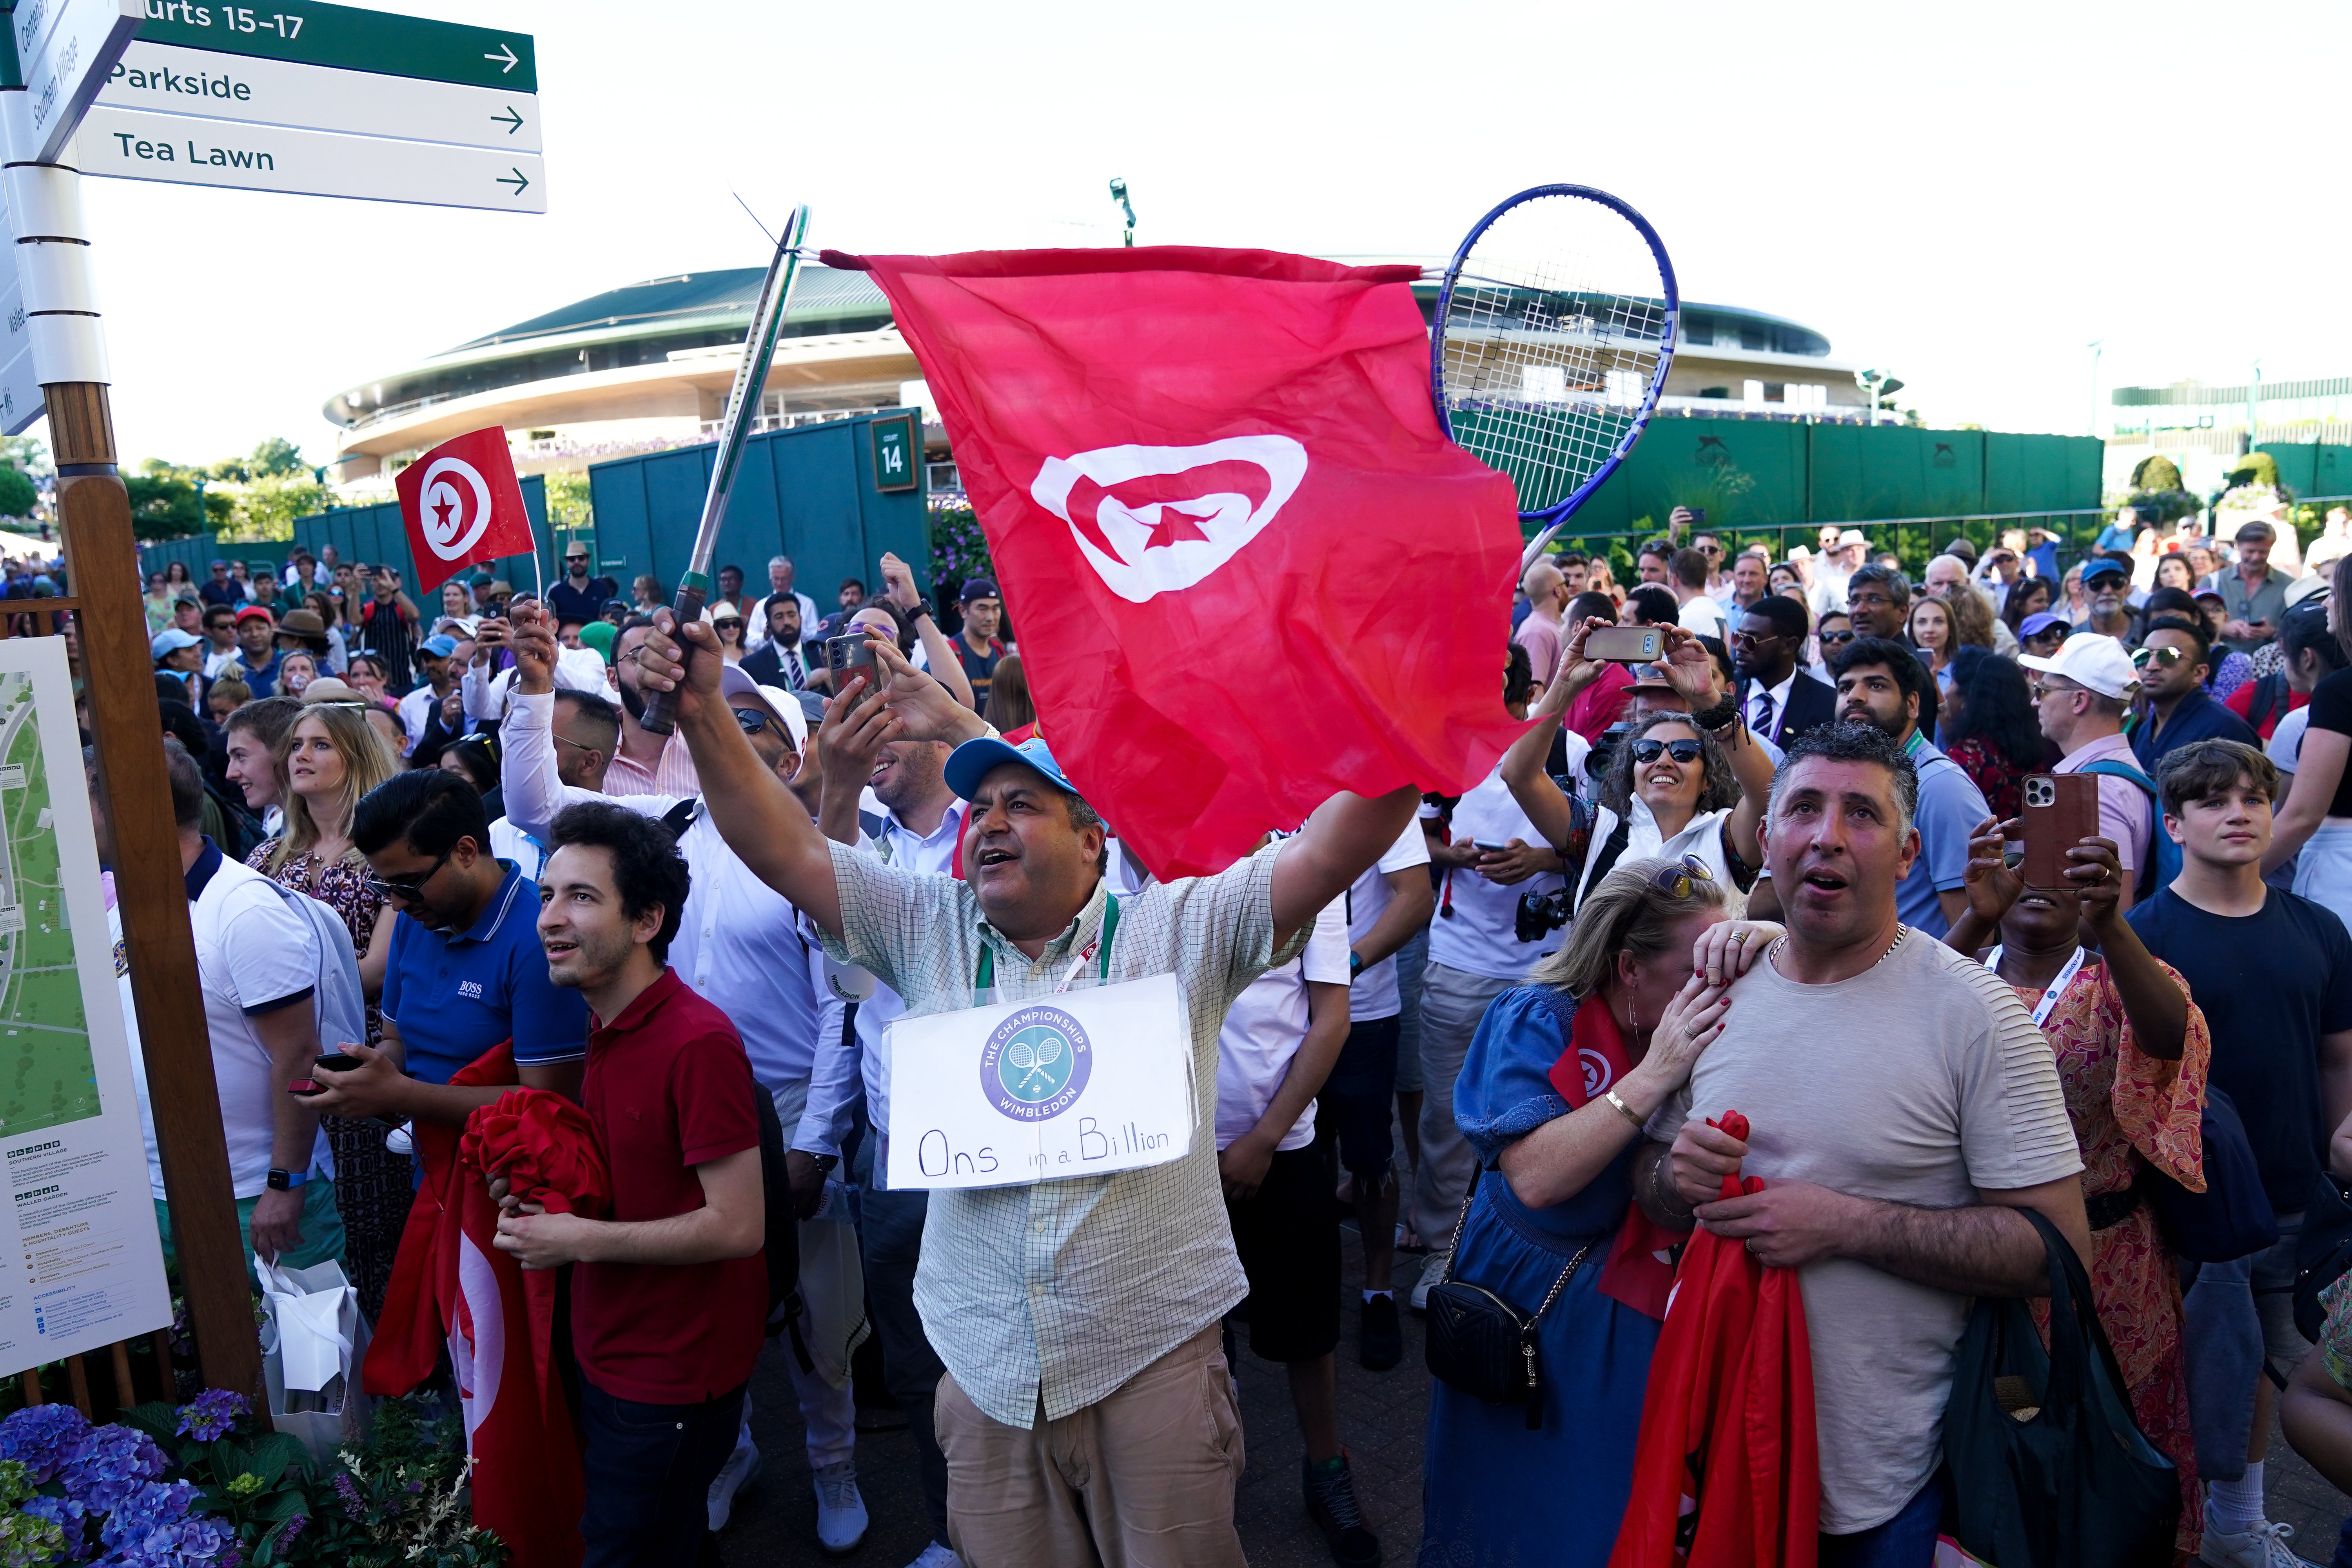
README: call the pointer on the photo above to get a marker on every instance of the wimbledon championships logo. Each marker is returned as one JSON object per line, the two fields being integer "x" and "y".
{"x": 1036, "y": 1064}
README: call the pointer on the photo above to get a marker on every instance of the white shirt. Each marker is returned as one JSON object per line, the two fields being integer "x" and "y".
{"x": 1481, "y": 936}
{"x": 1375, "y": 993}
{"x": 509, "y": 842}
{"x": 576, "y": 669}
{"x": 252, "y": 951}
{"x": 1828, "y": 596}
{"x": 1702, "y": 615}
{"x": 809, "y": 618}
{"x": 1264, "y": 1028}
{"x": 415, "y": 711}
{"x": 217, "y": 660}
{"x": 739, "y": 941}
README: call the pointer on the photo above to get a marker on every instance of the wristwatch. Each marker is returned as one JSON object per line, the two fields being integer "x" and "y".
{"x": 287, "y": 1181}
{"x": 1355, "y": 964}
{"x": 825, "y": 1163}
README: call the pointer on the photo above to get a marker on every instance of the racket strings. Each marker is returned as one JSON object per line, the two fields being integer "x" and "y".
{"x": 1552, "y": 336}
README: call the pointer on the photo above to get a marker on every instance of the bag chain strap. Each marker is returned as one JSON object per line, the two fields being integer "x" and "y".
{"x": 1454, "y": 1255}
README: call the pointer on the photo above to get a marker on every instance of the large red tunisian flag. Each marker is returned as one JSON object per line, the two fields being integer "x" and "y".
{"x": 1246, "y": 568}
{"x": 463, "y": 505}
{"x": 1727, "y": 1470}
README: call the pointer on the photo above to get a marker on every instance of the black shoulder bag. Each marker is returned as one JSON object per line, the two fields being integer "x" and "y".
{"x": 1480, "y": 1343}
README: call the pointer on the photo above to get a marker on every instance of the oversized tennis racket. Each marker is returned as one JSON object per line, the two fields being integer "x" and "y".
{"x": 1554, "y": 329}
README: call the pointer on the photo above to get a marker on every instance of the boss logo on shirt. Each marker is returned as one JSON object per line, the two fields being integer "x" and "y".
{"x": 470, "y": 989}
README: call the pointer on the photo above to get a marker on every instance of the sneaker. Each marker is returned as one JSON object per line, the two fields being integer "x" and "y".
{"x": 2263, "y": 1546}
{"x": 1433, "y": 1270}
{"x": 840, "y": 1511}
{"x": 742, "y": 1468}
{"x": 1380, "y": 1345}
{"x": 1331, "y": 1504}
{"x": 937, "y": 1556}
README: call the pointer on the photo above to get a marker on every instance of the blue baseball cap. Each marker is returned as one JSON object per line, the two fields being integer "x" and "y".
{"x": 975, "y": 759}
{"x": 171, "y": 640}
{"x": 440, "y": 646}
{"x": 2033, "y": 625}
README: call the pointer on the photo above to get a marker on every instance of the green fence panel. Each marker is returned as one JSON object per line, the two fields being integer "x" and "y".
{"x": 2312, "y": 468}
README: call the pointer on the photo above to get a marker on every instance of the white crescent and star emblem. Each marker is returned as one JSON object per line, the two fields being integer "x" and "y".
{"x": 454, "y": 501}
{"x": 1153, "y": 519}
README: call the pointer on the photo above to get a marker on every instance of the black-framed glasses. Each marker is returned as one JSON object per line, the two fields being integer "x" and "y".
{"x": 1859, "y": 601}
{"x": 1836, "y": 639}
{"x": 1648, "y": 749}
{"x": 407, "y": 887}
{"x": 751, "y": 719}
{"x": 1710, "y": 548}
{"x": 1676, "y": 880}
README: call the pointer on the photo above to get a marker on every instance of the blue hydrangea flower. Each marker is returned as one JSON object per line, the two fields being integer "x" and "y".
{"x": 151, "y": 1527}
{"x": 107, "y": 1462}
{"x": 213, "y": 1413}
{"x": 42, "y": 1437}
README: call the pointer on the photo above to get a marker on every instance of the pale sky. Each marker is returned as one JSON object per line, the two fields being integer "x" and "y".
{"x": 1966, "y": 196}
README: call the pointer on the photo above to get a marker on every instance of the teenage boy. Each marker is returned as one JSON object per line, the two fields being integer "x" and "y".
{"x": 977, "y": 648}
{"x": 1279, "y": 1040}
{"x": 2274, "y": 975}
{"x": 669, "y": 1297}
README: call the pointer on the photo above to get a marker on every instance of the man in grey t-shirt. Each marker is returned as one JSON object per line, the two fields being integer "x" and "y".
{"x": 1901, "y": 1104}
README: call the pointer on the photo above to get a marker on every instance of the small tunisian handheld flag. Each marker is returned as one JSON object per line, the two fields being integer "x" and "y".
{"x": 1247, "y": 569}
{"x": 463, "y": 505}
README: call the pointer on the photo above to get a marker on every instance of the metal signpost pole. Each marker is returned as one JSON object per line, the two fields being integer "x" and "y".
{"x": 102, "y": 562}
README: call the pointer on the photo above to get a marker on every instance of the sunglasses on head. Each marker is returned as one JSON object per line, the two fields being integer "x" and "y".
{"x": 1676, "y": 880}
{"x": 1647, "y": 751}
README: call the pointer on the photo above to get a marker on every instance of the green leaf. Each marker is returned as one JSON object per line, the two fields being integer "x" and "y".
{"x": 285, "y": 1505}
{"x": 157, "y": 1419}
{"x": 229, "y": 1461}
{"x": 276, "y": 1453}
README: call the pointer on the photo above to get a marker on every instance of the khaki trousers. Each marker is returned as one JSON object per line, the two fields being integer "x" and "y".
{"x": 1141, "y": 1478}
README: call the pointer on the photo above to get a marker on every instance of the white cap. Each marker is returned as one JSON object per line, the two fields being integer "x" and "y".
{"x": 2093, "y": 662}
{"x": 734, "y": 685}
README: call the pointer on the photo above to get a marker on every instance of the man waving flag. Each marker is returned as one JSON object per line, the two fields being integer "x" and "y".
{"x": 1248, "y": 568}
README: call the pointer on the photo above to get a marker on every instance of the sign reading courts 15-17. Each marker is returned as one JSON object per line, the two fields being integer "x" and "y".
{"x": 322, "y": 100}
{"x": 1076, "y": 1084}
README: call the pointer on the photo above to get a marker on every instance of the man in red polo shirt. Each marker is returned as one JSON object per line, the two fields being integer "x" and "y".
{"x": 670, "y": 1296}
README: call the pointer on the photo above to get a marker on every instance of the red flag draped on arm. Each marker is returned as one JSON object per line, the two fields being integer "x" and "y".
{"x": 1247, "y": 569}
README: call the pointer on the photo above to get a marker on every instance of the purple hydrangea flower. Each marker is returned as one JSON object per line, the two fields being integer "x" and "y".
{"x": 108, "y": 1461}
{"x": 151, "y": 1527}
{"x": 213, "y": 1413}
{"x": 41, "y": 1437}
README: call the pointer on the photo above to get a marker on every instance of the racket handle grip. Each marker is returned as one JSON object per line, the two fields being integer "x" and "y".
{"x": 660, "y": 717}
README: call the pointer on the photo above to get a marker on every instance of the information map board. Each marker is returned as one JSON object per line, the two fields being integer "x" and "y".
{"x": 88, "y": 1265}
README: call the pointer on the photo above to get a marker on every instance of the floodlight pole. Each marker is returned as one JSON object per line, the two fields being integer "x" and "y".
{"x": 102, "y": 567}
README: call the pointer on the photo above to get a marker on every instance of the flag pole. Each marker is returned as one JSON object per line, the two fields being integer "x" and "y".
{"x": 742, "y": 411}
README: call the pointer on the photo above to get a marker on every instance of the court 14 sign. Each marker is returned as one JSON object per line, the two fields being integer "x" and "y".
{"x": 86, "y": 1265}
{"x": 1076, "y": 1084}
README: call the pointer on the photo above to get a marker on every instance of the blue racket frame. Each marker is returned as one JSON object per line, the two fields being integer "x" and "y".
{"x": 1556, "y": 516}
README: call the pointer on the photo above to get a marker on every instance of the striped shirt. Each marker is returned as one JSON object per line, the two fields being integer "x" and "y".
{"x": 1045, "y": 1298}
{"x": 672, "y": 772}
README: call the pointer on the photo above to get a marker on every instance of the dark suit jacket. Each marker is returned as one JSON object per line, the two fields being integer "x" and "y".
{"x": 1809, "y": 703}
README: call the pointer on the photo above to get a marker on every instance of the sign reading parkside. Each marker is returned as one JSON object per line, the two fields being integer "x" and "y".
{"x": 1076, "y": 1084}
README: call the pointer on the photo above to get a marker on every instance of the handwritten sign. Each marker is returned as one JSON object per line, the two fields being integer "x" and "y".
{"x": 1076, "y": 1084}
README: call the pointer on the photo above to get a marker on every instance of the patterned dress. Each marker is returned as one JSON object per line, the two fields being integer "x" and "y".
{"x": 2131, "y": 1111}
{"x": 1997, "y": 779}
{"x": 373, "y": 1186}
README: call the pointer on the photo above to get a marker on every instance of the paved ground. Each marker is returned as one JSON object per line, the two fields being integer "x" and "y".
{"x": 1380, "y": 1418}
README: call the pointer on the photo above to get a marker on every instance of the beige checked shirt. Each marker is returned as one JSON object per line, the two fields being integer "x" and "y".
{"x": 1054, "y": 1293}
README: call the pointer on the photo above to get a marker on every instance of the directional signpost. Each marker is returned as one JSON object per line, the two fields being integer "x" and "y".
{"x": 321, "y": 100}
{"x": 330, "y": 101}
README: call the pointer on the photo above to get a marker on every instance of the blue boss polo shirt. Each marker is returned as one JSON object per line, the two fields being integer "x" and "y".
{"x": 455, "y": 997}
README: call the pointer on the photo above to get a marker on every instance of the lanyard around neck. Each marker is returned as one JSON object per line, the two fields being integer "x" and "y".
{"x": 984, "y": 979}
{"x": 2056, "y": 988}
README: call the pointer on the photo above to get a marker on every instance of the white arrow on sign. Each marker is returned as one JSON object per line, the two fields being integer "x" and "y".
{"x": 507, "y": 54}
{"x": 163, "y": 79}
{"x": 64, "y": 70}
{"x": 131, "y": 144}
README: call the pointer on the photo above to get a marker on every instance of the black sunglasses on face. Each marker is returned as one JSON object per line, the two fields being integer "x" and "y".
{"x": 407, "y": 887}
{"x": 1647, "y": 751}
{"x": 753, "y": 720}
{"x": 1832, "y": 639}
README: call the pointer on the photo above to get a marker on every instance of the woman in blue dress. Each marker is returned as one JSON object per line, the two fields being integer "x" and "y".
{"x": 1561, "y": 1079}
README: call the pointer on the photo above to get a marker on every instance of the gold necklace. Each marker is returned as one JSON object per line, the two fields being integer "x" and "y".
{"x": 1772, "y": 955}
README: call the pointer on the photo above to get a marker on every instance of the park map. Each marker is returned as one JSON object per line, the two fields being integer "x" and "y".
{"x": 47, "y": 1077}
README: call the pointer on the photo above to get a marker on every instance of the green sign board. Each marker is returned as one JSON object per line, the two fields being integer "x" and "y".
{"x": 349, "y": 38}
{"x": 895, "y": 454}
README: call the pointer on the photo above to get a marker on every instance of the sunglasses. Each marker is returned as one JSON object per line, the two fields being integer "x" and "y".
{"x": 2165, "y": 657}
{"x": 1835, "y": 639}
{"x": 753, "y": 720}
{"x": 1750, "y": 639}
{"x": 1677, "y": 881}
{"x": 1647, "y": 751}
{"x": 407, "y": 887}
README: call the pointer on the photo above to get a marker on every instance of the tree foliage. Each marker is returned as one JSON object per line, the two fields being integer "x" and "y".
{"x": 17, "y": 492}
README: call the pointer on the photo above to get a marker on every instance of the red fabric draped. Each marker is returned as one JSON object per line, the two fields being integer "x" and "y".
{"x": 1640, "y": 1271}
{"x": 1726, "y": 1472}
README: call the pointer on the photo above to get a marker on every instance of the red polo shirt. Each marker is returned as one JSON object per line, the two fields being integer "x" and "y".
{"x": 670, "y": 1088}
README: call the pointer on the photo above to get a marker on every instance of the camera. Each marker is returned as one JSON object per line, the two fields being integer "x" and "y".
{"x": 1540, "y": 914}
{"x": 1596, "y": 760}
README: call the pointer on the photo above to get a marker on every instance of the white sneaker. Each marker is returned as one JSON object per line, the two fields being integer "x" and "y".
{"x": 2263, "y": 1546}
{"x": 743, "y": 1467}
{"x": 840, "y": 1511}
{"x": 937, "y": 1556}
{"x": 1433, "y": 1270}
